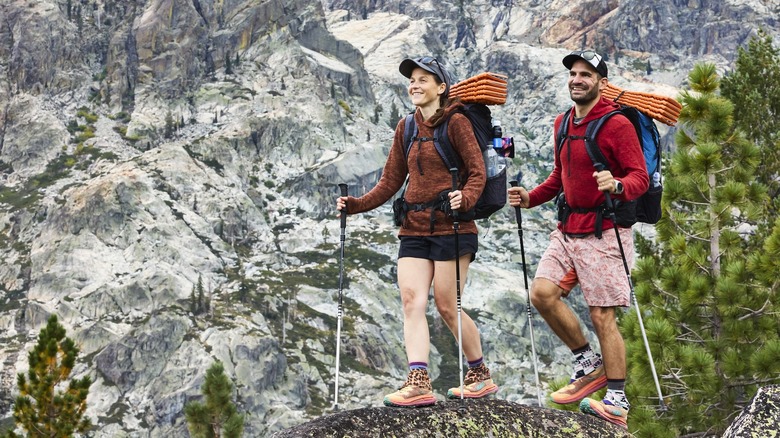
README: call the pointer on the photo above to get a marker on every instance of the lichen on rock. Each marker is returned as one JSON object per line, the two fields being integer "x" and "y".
{"x": 474, "y": 418}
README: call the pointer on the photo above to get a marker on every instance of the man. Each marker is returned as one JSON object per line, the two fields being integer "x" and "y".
{"x": 578, "y": 250}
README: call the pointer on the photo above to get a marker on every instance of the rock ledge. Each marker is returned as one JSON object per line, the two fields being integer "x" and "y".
{"x": 480, "y": 418}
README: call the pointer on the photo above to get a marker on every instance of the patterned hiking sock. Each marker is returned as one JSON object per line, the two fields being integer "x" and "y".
{"x": 476, "y": 363}
{"x": 577, "y": 373}
{"x": 585, "y": 359}
{"x": 476, "y": 374}
{"x": 418, "y": 366}
{"x": 617, "y": 398}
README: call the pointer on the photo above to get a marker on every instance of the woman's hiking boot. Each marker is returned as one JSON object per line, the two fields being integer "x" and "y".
{"x": 416, "y": 391}
{"x": 581, "y": 387}
{"x": 610, "y": 408}
{"x": 476, "y": 384}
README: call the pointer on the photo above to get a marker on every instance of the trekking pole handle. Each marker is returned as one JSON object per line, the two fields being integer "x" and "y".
{"x": 454, "y": 173}
{"x": 607, "y": 198}
{"x": 343, "y": 189}
{"x": 518, "y": 215}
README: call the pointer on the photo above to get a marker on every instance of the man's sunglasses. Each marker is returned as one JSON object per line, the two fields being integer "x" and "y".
{"x": 589, "y": 55}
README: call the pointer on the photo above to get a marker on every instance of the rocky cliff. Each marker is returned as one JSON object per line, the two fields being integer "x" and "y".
{"x": 148, "y": 147}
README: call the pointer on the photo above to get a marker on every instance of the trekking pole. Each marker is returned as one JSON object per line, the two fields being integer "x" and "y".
{"x": 455, "y": 225}
{"x": 519, "y": 217}
{"x": 343, "y": 189}
{"x": 608, "y": 200}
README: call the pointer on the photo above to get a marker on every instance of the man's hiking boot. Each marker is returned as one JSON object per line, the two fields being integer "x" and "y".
{"x": 476, "y": 384}
{"x": 581, "y": 387}
{"x": 416, "y": 391}
{"x": 607, "y": 409}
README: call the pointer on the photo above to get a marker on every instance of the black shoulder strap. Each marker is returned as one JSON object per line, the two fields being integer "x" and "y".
{"x": 410, "y": 133}
{"x": 563, "y": 131}
{"x": 590, "y": 140}
{"x": 441, "y": 141}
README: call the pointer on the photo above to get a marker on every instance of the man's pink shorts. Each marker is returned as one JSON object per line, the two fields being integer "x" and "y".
{"x": 595, "y": 263}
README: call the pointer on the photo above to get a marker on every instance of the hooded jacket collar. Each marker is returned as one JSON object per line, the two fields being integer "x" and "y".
{"x": 448, "y": 111}
{"x": 602, "y": 107}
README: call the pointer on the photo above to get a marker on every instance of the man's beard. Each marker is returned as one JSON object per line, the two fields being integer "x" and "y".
{"x": 589, "y": 97}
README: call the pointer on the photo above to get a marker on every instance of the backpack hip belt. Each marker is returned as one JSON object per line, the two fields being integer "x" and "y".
{"x": 565, "y": 210}
{"x": 441, "y": 203}
{"x": 625, "y": 213}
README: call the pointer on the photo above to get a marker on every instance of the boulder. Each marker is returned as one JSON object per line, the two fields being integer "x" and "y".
{"x": 477, "y": 418}
{"x": 760, "y": 418}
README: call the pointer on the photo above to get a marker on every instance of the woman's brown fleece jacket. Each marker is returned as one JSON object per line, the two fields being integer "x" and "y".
{"x": 428, "y": 176}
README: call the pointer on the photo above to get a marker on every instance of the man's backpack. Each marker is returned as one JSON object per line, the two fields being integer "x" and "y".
{"x": 648, "y": 206}
{"x": 493, "y": 197}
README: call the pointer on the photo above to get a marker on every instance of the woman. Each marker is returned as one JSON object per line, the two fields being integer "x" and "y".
{"x": 427, "y": 252}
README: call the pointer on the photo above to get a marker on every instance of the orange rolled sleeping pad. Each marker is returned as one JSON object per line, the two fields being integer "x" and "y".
{"x": 662, "y": 108}
{"x": 485, "y": 88}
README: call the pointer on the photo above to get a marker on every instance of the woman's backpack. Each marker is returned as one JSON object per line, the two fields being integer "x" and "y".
{"x": 493, "y": 197}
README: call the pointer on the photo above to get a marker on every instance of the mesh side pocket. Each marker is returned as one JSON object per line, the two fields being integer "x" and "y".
{"x": 493, "y": 196}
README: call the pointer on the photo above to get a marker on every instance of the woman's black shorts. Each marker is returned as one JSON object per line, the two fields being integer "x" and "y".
{"x": 438, "y": 248}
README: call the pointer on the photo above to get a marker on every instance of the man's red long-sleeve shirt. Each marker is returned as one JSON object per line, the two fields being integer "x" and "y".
{"x": 574, "y": 169}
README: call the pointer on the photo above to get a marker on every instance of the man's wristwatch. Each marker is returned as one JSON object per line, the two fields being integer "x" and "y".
{"x": 618, "y": 187}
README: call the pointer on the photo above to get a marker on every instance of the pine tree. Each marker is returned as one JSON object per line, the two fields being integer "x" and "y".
{"x": 218, "y": 416}
{"x": 754, "y": 88}
{"x": 710, "y": 317}
{"x": 169, "y": 125}
{"x": 395, "y": 115}
{"x": 79, "y": 20}
{"x": 44, "y": 407}
{"x": 228, "y": 66}
{"x": 201, "y": 298}
{"x": 193, "y": 302}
